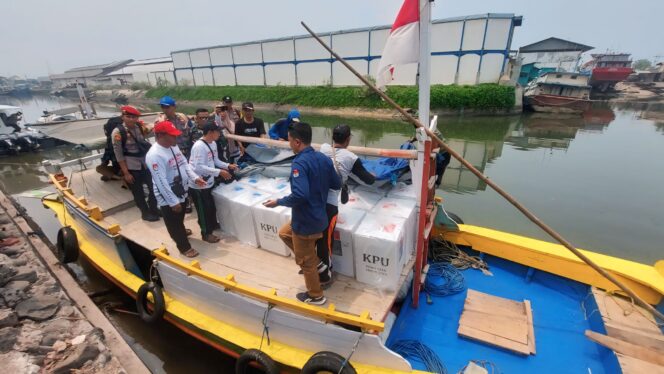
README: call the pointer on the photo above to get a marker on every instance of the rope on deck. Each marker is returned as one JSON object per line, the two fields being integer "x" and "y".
{"x": 453, "y": 281}
{"x": 415, "y": 350}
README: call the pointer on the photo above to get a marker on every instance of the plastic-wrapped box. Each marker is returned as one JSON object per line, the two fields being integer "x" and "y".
{"x": 223, "y": 195}
{"x": 343, "y": 258}
{"x": 280, "y": 187}
{"x": 403, "y": 191}
{"x": 380, "y": 190}
{"x": 402, "y": 208}
{"x": 267, "y": 222}
{"x": 378, "y": 245}
{"x": 242, "y": 215}
{"x": 362, "y": 200}
{"x": 257, "y": 181}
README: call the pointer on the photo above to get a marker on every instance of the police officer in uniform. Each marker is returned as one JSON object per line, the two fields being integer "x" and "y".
{"x": 130, "y": 148}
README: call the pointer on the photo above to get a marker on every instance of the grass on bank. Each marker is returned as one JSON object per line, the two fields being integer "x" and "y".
{"x": 483, "y": 96}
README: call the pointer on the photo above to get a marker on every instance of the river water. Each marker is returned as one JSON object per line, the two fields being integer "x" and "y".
{"x": 596, "y": 179}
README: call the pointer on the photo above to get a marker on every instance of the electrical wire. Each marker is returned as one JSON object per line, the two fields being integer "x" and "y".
{"x": 453, "y": 281}
{"x": 417, "y": 351}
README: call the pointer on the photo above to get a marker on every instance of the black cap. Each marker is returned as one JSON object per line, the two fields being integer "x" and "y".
{"x": 340, "y": 133}
{"x": 210, "y": 126}
{"x": 227, "y": 100}
{"x": 247, "y": 106}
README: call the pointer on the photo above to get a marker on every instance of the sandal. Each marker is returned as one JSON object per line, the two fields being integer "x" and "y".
{"x": 211, "y": 238}
{"x": 190, "y": 253}
{"x": 188, "y": 231}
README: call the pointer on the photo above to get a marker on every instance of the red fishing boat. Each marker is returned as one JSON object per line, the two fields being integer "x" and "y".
{"x": 607, "y": 69}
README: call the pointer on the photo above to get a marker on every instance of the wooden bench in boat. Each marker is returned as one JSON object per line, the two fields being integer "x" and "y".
{"x": 250, "y": 266}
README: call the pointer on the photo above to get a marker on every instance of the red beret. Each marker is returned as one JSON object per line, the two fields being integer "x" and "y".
{"x": 166, "y": 127}
{"x": 128, "y": 109}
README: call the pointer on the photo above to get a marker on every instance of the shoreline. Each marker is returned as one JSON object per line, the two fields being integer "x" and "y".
{"x": 47, "y": 321}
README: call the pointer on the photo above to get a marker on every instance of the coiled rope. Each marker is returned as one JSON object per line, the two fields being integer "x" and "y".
{"x": 453, "y": 281}
{"x": 415, "y": 350}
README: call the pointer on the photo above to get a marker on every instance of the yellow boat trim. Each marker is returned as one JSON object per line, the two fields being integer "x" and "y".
{"x": 327, "y": 314}
{"x": 282, "y": 353}
{"x": 647, "y": 281}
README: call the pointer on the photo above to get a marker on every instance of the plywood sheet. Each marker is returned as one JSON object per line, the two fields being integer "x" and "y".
{"x": 498, "y": 321}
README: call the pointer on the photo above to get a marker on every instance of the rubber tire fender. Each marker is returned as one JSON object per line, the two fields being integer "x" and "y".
{"x": 67, "y": 245}
{"x": 455, "y": 218}
{"x": 254, "y": 355}
{"x": 327, "y": 362}
{"x": 158, "y": 307}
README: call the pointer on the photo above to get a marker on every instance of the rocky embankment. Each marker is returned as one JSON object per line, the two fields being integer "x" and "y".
{"x": 41, "y": 329}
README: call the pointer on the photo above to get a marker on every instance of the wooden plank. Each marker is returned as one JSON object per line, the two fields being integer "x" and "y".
{"x": 626, "y": 348}
{"x": 255, "y": 267}
{"x": 474, "y": 334}
{"x": 620, "y": 311}
{"x": 498, "y": 325}
{"x": 638, "y": 337}
{"x": 631, "y": 365}
{"x": 480, "y": 301}
{"x": 531, "y": 326}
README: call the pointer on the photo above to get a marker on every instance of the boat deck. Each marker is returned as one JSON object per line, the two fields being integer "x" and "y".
{"x": 562, "y": 310}
{"x": 251, "y": 266}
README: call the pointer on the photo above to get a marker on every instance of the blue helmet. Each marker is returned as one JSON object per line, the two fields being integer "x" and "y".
{"x": 167, "y": 101}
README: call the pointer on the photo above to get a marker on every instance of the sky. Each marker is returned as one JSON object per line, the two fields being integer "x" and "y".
{"x": 38, "y": 37}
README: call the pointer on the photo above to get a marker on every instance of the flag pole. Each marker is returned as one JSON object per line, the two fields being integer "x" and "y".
{"x": 533, "y": 218}
{"x": 424, "y": 69}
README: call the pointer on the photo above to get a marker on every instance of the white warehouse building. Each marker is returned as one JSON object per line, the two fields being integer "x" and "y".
{"x": 465, "y": 50}
{"x": 153, "y": 71}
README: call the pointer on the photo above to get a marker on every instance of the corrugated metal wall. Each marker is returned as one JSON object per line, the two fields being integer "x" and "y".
{"x": 465, "y": 50}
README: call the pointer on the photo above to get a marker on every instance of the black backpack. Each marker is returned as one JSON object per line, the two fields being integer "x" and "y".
{"x": 111, "y": 124}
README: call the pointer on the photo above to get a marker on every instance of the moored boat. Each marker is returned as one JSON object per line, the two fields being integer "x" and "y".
{"x": 558, "y": 92}
{"x": 607, "y": 69}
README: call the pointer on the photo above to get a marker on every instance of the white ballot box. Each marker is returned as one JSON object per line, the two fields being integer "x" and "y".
{"x": 343, "y": 258}
{"x": 362, "y": 200}
{"x": 223, "y": 195}
{"x": 256, "y": 181}
{"x": 403, "y": 191}
{"x": 242, "y": 214}
{"x": 378, "y": 245}
{"x": 267, "y": 222}
{"x": 394, "y": 207}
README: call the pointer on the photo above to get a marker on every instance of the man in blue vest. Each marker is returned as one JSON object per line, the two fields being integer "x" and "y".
{"x": 312, "y": 176}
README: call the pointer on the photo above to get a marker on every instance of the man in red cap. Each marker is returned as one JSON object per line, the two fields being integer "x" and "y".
{"x": 130, "y": 148}
{"x": 171, "y": 174}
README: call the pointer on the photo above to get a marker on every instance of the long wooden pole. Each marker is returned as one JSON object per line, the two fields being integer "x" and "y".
{"x": 493, "y": 185}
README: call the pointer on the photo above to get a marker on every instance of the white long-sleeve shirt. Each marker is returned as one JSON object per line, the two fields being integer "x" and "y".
{"x": 164, "y": 168}
{"x": 204, "y": 160}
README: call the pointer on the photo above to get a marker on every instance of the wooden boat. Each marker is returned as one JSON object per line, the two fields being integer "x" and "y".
{"x": 558, "y": 92}
{"x": 224, "y": 296}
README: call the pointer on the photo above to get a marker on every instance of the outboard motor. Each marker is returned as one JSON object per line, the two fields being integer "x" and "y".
{"x": 27, "y": 143}
{"x": 7, "y": 146}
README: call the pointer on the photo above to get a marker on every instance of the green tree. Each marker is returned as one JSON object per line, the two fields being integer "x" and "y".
{"x": 642, "y": 64}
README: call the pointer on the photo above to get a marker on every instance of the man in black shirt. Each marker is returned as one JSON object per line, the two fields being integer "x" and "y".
{"x": 249, "y": 125}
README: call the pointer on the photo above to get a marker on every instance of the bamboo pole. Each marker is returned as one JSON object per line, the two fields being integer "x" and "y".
{"x": 378, "y": 152}
{"x": 493, "y": 185}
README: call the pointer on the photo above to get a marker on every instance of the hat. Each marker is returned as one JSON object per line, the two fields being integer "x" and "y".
{"x": 227, "y": 100}
{"x": 167, "y": 101}
{"x": 294, "y": 115}
{"x": 340, "y": 133}
{"x": 128, "y": 109}
{"x": 166, "y": 127}
{"x": 210, "y": 126}
{"x": 247, "y": 106}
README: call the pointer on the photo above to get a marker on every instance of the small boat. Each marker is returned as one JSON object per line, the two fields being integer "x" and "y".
{"x": 14, "y": 138}
{"x": 558, "y": 92}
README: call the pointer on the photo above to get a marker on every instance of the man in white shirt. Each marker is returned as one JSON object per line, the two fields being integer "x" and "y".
{"x": 171, "y": 175}
{"x": 345, "y": 163}
{"x": 204, "y": 160}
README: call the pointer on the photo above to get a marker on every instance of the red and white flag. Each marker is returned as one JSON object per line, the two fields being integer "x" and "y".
{"x": 402, "y": 46}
